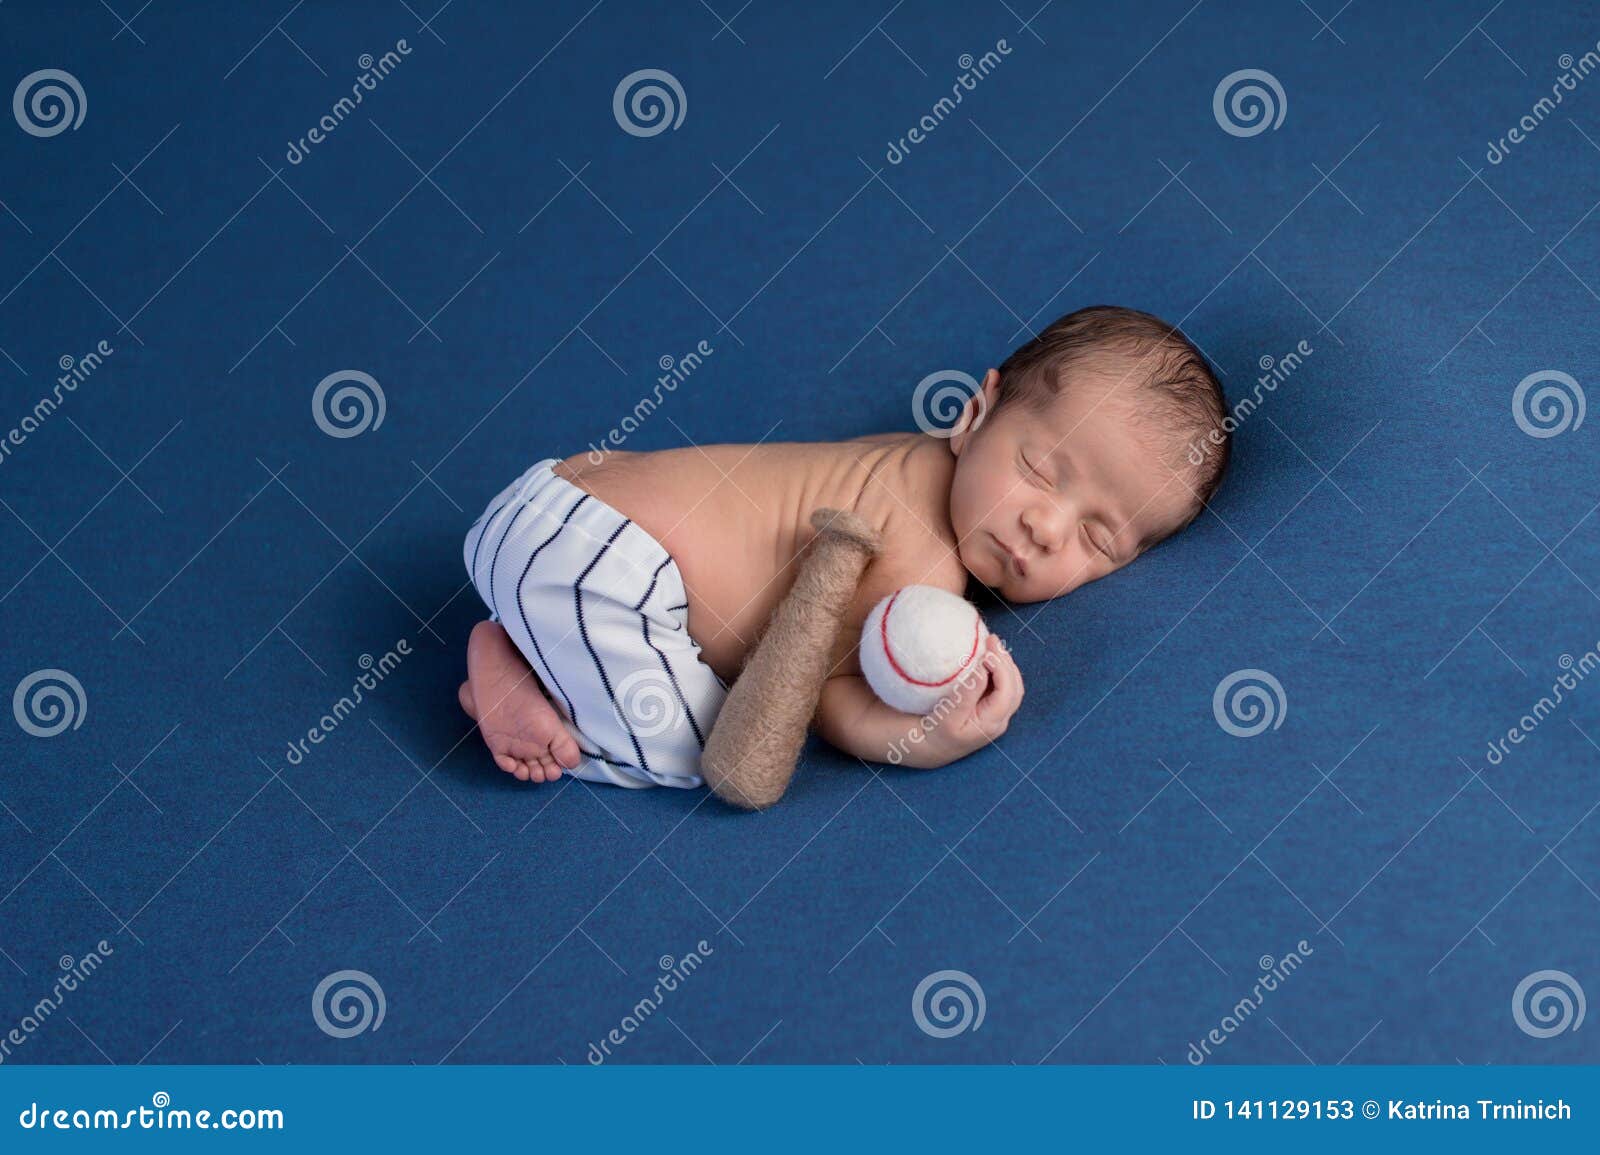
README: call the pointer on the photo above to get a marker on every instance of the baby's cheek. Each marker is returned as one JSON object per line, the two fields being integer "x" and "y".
{"x": 1078, "y": 571}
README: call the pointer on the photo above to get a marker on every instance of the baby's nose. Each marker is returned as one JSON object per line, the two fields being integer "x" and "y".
{"x": 1045, "y": 530}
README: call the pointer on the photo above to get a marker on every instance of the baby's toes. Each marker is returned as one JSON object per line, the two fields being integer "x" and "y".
{"x": 564, "y": 750}
{"x": 552, "y": 768}
{"x": 524, "y": 751}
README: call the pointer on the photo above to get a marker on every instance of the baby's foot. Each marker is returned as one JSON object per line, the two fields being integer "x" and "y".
{"x": 519, "y": 725}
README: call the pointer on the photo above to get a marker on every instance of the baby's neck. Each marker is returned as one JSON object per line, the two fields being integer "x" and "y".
{"x": 931, "y": 465}
{"x": 929, "y": 469}
{"x": 915, "y": 464}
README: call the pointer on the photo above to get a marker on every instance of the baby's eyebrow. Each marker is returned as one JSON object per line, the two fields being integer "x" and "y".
{"x": 1116, "y": 512}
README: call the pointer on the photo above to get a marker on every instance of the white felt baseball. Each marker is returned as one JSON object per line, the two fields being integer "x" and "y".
{"x": 915, "y": 644}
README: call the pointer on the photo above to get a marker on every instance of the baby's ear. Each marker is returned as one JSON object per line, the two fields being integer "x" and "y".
{"x": 991, "y": 389}
{"x": 979, "y": 406}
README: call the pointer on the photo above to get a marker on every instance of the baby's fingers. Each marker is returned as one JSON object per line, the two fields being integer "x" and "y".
{"x": 975, "y": 680}
{"x": 1004, "y": 695}
{"x": 960, "y": 705}
{"x": 1015, "y": 670}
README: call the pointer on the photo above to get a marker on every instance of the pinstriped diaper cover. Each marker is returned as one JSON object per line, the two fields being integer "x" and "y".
{"x": 598, "y": 608}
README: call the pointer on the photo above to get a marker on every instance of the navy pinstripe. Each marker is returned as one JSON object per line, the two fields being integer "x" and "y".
{"x": 602, "y": 758}
{"x": 651, "y": 588}
{"x": 572, "y": 713}
{"x": 673, "y": 678}
{"x": 613, "y": 648}
{"x": 478, "y": 548}
{"x": 577, "y": 599}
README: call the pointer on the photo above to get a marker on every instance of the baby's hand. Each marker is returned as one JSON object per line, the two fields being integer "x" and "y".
{"x": 979, "y": 709}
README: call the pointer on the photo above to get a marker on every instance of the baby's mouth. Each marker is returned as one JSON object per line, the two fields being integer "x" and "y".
{"x": 1017, "y": 564}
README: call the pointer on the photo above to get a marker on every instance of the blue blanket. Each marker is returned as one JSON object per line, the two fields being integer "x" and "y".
{"x": 286, "y": 296}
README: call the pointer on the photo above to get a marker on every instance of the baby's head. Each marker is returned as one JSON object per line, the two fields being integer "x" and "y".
{"x": 1077, "y": 455}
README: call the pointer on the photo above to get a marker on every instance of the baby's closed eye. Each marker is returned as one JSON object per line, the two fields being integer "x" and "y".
{"x": 1100, "y": 540}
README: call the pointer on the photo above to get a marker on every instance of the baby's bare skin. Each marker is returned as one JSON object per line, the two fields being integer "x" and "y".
{"x": 735, "y": 518}
{"x": 1030, "y": 504}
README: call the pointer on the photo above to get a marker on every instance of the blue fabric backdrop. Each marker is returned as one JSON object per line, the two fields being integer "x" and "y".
{"x": 1408, "y": 563}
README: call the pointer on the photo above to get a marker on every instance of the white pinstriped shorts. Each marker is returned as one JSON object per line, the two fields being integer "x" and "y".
{"x": 597, "y": 607}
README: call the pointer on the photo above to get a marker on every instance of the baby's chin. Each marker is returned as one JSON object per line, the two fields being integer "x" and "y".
{"x": 980, "y": 567}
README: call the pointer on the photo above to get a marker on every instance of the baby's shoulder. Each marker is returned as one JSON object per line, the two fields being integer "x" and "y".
{"x": 912, "y": 510}
{"x": 913, "y": 556}
{"x": 903, "y": 562}
{"x": 878, "y": 439}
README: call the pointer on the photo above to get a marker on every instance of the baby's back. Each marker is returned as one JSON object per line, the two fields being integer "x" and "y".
{"x": 734, "y": 517}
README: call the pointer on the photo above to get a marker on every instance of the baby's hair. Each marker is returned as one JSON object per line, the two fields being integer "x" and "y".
{"x": 1167, "y": 378}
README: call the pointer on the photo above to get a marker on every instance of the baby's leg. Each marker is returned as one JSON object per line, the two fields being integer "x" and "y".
{"x": 519, "y": 725}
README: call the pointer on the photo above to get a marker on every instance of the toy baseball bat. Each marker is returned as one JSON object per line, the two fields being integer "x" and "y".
{"x": 756, "y": 741}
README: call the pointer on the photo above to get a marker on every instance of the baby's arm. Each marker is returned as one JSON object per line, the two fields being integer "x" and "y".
{"x": 853, "y": 718}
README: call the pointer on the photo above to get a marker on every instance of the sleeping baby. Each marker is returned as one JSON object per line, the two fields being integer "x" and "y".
{"x": 626, "y": 592}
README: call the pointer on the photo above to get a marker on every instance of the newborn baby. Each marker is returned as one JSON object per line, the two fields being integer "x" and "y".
{"x": 627, "y": 589}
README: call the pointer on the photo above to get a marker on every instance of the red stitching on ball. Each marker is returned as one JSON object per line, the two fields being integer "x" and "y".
{"x": 888, "y": 651}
